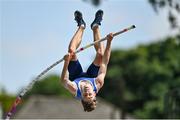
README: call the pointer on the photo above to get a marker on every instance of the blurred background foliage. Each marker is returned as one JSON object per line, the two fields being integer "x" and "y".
{"x": 138, "y": 80}
{"x": 6, "y": 100}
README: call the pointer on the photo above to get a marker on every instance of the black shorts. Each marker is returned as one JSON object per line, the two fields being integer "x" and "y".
{"x": 76, "y": 71}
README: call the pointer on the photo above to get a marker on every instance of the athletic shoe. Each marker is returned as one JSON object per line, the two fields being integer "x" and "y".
{"x": 79, "y": 19}
{"x": 98, "y": 19}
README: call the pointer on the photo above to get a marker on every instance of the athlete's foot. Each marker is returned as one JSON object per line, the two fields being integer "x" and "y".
{"x": 79, "y": 19}
{"x": 97, "y": 20}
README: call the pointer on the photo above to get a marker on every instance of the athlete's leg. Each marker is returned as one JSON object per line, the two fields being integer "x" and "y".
{"x": 76, "y": 39}
{"x": 93, "y": 69}
{"x": 99, "y": 47}
{"x": 96, "y": 33}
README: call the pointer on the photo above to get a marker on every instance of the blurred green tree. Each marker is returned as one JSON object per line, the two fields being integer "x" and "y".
{"x": 138, "y": 79}
{"x": 173, "y": 9}
{"x": 6, "y": 101}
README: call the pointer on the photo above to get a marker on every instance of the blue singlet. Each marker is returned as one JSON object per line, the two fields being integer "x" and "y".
{"x": 78, "y": 80}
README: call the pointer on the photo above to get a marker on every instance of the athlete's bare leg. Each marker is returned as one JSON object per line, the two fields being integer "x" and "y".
{"x": 99, "y": 47}
{"x": 77, "y": 38}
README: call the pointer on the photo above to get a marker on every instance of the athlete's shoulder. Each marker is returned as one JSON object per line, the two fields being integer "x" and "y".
{"x": 71, "y": 87}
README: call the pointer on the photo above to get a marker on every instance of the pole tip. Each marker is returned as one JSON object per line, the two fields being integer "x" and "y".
{"x": 133, "y": 26}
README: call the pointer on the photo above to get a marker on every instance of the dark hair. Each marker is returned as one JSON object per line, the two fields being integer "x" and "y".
{"x": 89, "y": 106}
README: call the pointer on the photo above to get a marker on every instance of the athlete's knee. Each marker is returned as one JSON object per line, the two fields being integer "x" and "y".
{"x": 71, "y": 49}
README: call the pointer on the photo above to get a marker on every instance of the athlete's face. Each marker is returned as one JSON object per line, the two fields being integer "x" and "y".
{"x": 88, "y": 93}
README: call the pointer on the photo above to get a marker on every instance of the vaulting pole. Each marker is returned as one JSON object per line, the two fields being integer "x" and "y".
{"x": 20, "y": 96}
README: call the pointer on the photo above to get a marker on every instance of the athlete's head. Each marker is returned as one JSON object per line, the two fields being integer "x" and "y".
{"x": 88, "y": 98}
{"x": 89, "y": 106}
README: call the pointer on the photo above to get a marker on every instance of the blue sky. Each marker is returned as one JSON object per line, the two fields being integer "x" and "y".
{"x": 36, "y": 33}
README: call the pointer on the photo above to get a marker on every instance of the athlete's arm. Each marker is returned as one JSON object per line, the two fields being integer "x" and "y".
{"x": 64, "y": 76}
{"x": 105, "y": 61}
